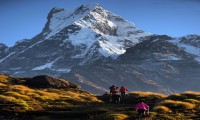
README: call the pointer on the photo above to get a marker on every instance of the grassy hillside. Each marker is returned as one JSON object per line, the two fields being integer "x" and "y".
{"x": 48, "y": 98}
{"x": 16, "y": 97}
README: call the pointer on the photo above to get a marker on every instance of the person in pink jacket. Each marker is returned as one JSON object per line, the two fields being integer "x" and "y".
{"x": 141, "y": 108}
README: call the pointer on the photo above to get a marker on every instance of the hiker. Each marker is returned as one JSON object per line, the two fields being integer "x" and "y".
{"x": 114, "y": 94}
{"x": 123, "y": 91}
{"x": 113, "y": 90}
{"x": 141, "y": 107}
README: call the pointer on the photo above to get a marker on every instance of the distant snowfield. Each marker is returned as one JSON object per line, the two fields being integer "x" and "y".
{"x": 50, "y": 65}
{"x": 84, "y": 36}
{"x": 188, "y": 48}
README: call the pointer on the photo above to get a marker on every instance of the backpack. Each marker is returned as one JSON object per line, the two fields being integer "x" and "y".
{"x": 113, "y": 90}
{"x": 123, "y": 89}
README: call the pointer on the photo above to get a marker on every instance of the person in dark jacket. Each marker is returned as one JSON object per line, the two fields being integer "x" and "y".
{"x": 114, "y": 94}
{"x": 112, "y": 88}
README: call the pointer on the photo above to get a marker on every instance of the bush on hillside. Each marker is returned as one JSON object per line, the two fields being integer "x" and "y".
{"x": 148, "y": 97}
{"x": 17, "y": 95}
{"x": 2, "y": 85}
{"x": 177, "y": 105}
{"x": 176, "y": 97}
{"x": 20, "y": 104}
{"x": 7, "y": 99}
{"x": 162, "y": 109}
{"x": 21, "y": 89}
{"x": 4, "y": 78}
{"x": 193, "y": 101}
{"x": 113, "y": 116}
{"x": 192, "y": 95}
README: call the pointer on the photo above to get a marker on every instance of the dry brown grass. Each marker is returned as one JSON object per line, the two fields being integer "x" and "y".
{"x": 21, "y": 89}
{"x": 162, "y": 109}
{"x": 113, "y": 116}
{"x": 17, "y": 95}
{"x": 193, "y": 101}
{"x": 176, "y": 97}
{"x": 148, "y": 94}
{"x": 2, "y": 85}
{"x": 24, "y": 98}
{"x": 28, "y": 99}
{"x": 7, "y": 99}
{"x": 192, "y": 95}
{"x": 4, "y": 78}
{"x": 177, "y": 105}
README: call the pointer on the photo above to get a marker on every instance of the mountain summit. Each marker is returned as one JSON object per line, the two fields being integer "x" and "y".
{"x": 95, "y": 48}
{"x": 90, "y": 25}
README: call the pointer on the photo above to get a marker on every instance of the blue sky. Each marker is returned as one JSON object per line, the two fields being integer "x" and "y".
{"x": 21, "y": 19}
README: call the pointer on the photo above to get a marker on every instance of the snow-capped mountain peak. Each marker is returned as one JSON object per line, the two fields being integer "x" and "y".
{"x": 60, "y": 18}
{"x": 93, "y": 24}
{"x": 78, "y": 45}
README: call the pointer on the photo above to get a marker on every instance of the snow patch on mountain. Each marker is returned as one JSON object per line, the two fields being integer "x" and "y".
{"x": 97, "y": 25}
{"x": 16, "y": 68}
{"x": 84, "y": 36}
{"x": 47, "y": 65}
{"x": 64, "y": 70}
{"x": 65, "y": 18}
{"x": 42, "y": 67}
{"x": 50, "y": 65}
{"x": 6, "y": 57}
{"x": 29, "y": 47}
{"x": 126, "y": 29}
{"x": 170, "y": 57}
{"x": 188, "y": 48}
{"x": 110, "y": 47}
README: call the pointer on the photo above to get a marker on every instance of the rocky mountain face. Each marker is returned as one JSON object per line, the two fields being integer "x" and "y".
{"x": 3, "y": 49}
{"x": 44, "y": 81}
{"x": 96, "y": 48}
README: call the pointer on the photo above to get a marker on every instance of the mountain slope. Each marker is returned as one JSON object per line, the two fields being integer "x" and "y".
{"x": 153, "y": 65}
{"x": 40, "y": 93}
{"x": 83, "y": 35}
{"x": 49, "y": 100}
{"x": 96, "y": 48}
